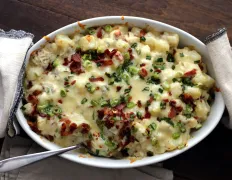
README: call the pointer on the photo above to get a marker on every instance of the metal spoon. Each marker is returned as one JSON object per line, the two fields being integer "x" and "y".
{"x": 20, "y": 161}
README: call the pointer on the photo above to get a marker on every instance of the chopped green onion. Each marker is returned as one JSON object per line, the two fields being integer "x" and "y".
{"x": 55, "y": 63}
{"x": 198, "y": 126}
{"x": 139, "y": 114}
{"x": 56, "y": 110}
{"x": 160, "y": 90}
{"x": 152, "y": 126}
{"x": 97, "y": 152}
{"x": 130, "y": 105}
{"x": 156, "y": 96}
{"x": 86, "y": 57}
{"x": 166, "y": 85}
{"x": 197, "y": 61}
{"x": 176, "y": 135}
{"x": 104, "y": 103}
{"x": 181, "y": 127}
{"x": 173, "y": 67}
{"x": 91, "y": 30}
{"x": 146, "y": 89}
{"x": 111, "y": 145}
{"x": 138, "y": 51}
{"x": 167, "y": 120}
{"x": 133, "y": 70}
{"x": 87, "y": 64}
{"x": 188, "y": 111}
{"x": 125, "y": 77}
{"x": 181, "y": 54}
{"x": 63, "y": 93}
{"x": 170, "y": 58}
{"x": 134, "y": 45}
{"x": 94, "y": 103}
{"x": 126, "y": 91}
{"x": 108, "y": 28}
{"x": 148, "y": 57}
{"x": 90, "y": 88}
{"x": 114, "y": 102}
{"x": 126, "y": 56}
{"x": 84, "y": 100}
{"x": 159, "y": 60}
{"x": 142, "y": 39}
{"x": 162, "y": 105}
{"x": 154, "y": 141}
{"x": 156, "y": 75}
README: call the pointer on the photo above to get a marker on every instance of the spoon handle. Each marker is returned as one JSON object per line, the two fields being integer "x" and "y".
{"x": 20, "y": 161}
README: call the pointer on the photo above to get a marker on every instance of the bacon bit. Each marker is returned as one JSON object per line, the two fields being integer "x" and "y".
{"x": 66, "y": 62}
{"x": 122, "y": 17}
{"x": 72, "y": 127}
{"x": 118, "y": 88}
{"x": 75, "y": 67}
{"x": 88, "y": 37}
{"x": 143, "y": 72}
{"x": 110, "y": 53}
{"x": 60, "y": 101}
{"x": 172, "y": 103}
{"x": 147, "y": 114}
{"x": 190, "y": 73}
{"x": 119, "y": 56}
{"x": 37, "y": 92}
{"x": 117, "y": 126}
{"x": 132, "y": 160}
{"x": 139, "y": 104}
{"x": 174, "y": 52}
{"x": 120, "y": 107}
{"x": 143, "y": 64}
{"x": 93, "y": 79}
{"x": 142, "y": 33}
{"x": 187, "y": 98}
{"x": 109, "y": 123}
{"x": 179, "y": 109}
{"x": 81, "y": 25}
{"x": 63, "y": 130}
{"x": 33, "y": 126}
{"x": 169, "y": 93}
{"x": 29, "y": 85}
{"x": 217, "y": 89}
{"x": 49, "y": 137}
{"x": 97, "y": 88}
{"x": 99, "y": 32}
{"x": 158, "y": 70}
{"x": 104, "y": 62}
{"x": 101, "y": 113}
{"x": 48, "y": 39}
{"x": 130, "y": 52}
{"x": 76, "y": 57}
{"x": 201, "y": 66}
{"x": 65, "y": 120}
{"x": 73, "y": 82}
{"x": 33, "y": 99}
{"x": 66, "y": 83}
{"x": 85, "y": 128}
{"x": 49, "y": 68}
{"x": 196, "y": 117}
{"x": 117, "y": 33}
{"x": 166, "y": 100}
{"x": 172, "y": 112}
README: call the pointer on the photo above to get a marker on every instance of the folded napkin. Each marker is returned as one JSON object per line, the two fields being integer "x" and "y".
{"x": 220, "y": 52}
{"x": 13, "y": 48}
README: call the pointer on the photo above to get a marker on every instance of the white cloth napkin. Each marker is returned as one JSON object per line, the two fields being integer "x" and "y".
{"x": 13, "y": 48}
{"x": 220, "y": 52}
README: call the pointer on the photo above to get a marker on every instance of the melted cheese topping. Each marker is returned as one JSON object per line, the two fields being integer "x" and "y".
{"x": 122, "y": 91}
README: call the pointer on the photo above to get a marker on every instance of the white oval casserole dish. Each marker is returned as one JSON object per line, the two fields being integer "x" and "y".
{"x": 185, "y": 40}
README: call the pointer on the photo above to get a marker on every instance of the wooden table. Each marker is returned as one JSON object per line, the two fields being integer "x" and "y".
{"x": 210, "y": 159}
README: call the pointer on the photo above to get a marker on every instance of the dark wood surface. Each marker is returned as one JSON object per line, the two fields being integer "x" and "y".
{"x": 210, "y": 159}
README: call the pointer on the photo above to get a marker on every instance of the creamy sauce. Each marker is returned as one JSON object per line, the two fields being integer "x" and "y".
{"x": 122, "y": 91}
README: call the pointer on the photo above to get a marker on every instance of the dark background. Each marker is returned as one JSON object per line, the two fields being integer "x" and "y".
{"x": 212, "y": 158}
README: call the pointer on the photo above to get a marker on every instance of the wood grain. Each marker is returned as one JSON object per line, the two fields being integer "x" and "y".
{"x": 210, "y": 159}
